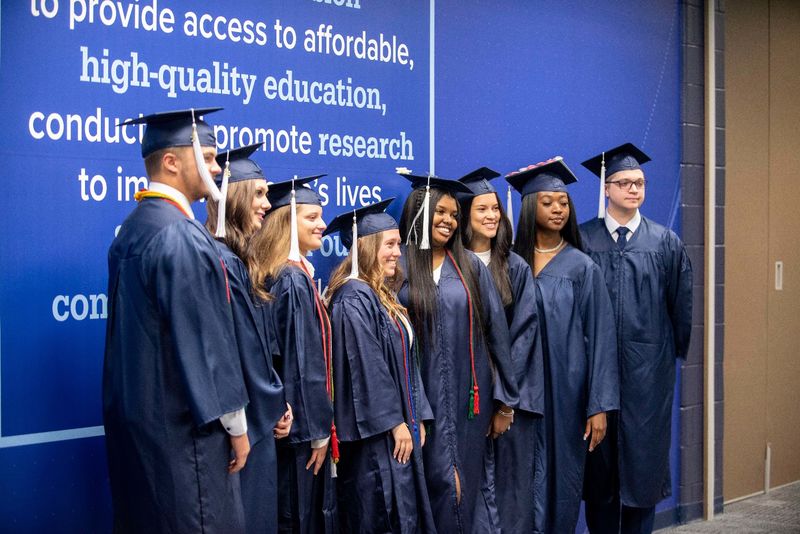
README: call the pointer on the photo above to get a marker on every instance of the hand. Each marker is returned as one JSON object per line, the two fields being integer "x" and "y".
{"x": 317, "y": 458}
{"x": 241, "y": 448}
{"x": 422, "y": 434}
{"x": 595, "y": 427}
{"x": 403, "y": 445}
{"x": 284, "y": 425}
{"x": 501, "y": 422}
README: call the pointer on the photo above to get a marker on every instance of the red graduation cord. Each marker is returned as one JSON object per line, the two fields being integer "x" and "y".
{"x": 474, "y": 392}
{"x": 327, "y": 353}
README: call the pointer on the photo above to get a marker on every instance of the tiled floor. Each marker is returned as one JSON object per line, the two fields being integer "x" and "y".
{"x": 776, "y": 512}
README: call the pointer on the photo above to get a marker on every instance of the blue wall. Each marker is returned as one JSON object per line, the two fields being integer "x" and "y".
{"x": 513, "y": 83}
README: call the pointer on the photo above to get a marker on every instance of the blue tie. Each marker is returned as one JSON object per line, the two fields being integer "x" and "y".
{"x": 622, "y": 233}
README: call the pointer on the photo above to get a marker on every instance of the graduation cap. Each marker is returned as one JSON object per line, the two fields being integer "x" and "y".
{"x": 625, "y": 157}
{"x": 550, "y": 175}
{"x": 478, "y": 181}
{"x": 280, "y": 193}
{"x": 291, "y": 193}
{"x": 241, "y": 167}
{"x": 418, "y": 182}
{"x": 237, "y": 167}
{"x": 180, "y": 128}
{"x": 361, "y": 222}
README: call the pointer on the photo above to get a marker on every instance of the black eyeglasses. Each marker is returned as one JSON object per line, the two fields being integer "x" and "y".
{"x": 626, "y": 184}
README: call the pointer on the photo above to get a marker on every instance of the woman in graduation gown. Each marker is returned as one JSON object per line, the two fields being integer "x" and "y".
{"x": 380, "y": 404}
{"x": 465, "y": 356}
{"x": 488, "y": 235}
{"x": 245, "y": 193}
{"x": 279, "y": 268}
{"x": 578, "y": 338}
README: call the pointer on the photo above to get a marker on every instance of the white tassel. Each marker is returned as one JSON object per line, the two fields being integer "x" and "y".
{"x": 424, "y": 210}
{"x": 223, "y": 201}
{"x": 200, "y": 161}
{"x": 601, "y": 206}
{"x": 510, "y": 212}
{"x": 294, "y": 241}
{"x": 354, "y": 251}
{"x": 426, "y": 218}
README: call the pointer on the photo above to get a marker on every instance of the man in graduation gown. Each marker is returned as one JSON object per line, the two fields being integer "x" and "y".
{"x": 173, "y": 393}
{"x": 649, "y": 278}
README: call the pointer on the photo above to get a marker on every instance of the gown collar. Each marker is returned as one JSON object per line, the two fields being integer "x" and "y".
{"x": 632, "y": 225}
{"x": 174, "y": 194}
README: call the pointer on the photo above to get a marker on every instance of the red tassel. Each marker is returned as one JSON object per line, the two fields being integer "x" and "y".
{"x": 476, "y": 405}
{"x": 334, "y": 444}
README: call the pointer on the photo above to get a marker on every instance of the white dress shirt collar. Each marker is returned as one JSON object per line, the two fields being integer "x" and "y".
{"x": 174, "y": 194}
{"x": 632, "y": 225}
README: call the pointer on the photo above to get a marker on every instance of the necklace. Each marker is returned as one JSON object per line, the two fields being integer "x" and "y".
{"x": 549, "y": 250}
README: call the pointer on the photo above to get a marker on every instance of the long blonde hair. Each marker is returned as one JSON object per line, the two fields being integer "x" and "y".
{"x": 268, "y": 249}
{"x": 371, "y": 272}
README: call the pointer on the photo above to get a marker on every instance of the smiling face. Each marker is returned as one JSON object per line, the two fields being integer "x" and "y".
{"x": 552, "y": 211}
{"x": 260, "y": 204}
{"x": 445, "y": 221}
{"x": 625, "y": 199}
{"x": 389, "y": 252}
{"x": 484, "y": 215}
{"x": 309, "y": 227}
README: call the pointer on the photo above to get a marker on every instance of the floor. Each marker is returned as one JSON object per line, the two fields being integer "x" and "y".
{"x": 776, "y": 512}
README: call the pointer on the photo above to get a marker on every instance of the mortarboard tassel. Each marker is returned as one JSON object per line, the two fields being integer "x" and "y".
{"x": 601, "y": 207}
{"x": 510, "y": 212}
{"x": 354, "y": 251}
{"x": 223, "y": 201}
{"x": 200, "y": 161}
{"x": 426, "y": 218}
{"x": 423, "y": 210}
{"x": 334, "y": 444}
{"x": 294, "y": 241}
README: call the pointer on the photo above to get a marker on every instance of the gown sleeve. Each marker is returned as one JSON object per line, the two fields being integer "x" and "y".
{"x": 679, "y": 294}
{"x": 425, "y": 412}
{"x": 302, "y": 360}
{"x": 601, "y": 343}
{"x": 267, "y": 403}
{"x": 368, "y": 401}
{"x": 526, "y": 342}
{"x": 497, "y": 338}
{"x": 192, "y": 293}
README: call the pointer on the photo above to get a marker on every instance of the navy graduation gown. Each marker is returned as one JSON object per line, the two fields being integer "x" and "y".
{"x": 515, "y": 454}
{"x": 171, "y": 370}
{"x": 267, "y": 404}
{"x": 372, "y": 372}
{"x": 650, "y": 284}
{"x": 305, "y": 501}
{"x": 455, "y": 442}
{"x": 581, "y": 380}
